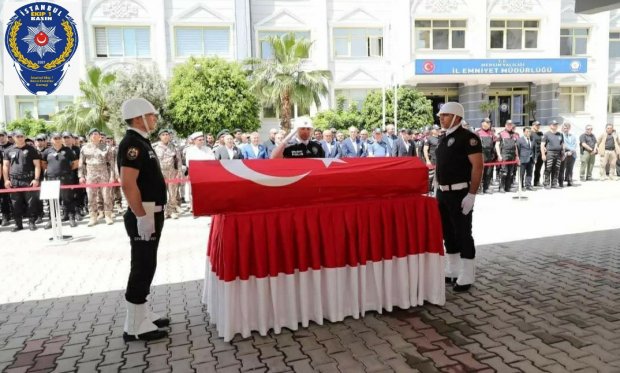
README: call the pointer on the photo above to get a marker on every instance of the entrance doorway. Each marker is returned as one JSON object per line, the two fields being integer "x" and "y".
{"x": 511, "y": 102}
{"x": 439, "y": 96}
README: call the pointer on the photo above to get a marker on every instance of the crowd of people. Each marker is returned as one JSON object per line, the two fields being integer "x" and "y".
{"x": 544, "y": 160}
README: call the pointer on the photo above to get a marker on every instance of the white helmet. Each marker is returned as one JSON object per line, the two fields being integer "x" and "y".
{"x": 452, "y": 108}
{"x": 303, "y": 122}
{"x": 137, "y": 107}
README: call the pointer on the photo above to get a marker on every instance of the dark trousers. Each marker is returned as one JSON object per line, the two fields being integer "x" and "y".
{"x": 537, "y": 168}
{"x": 457, "y": 235}
{"x": 67, "y": 197}
{"x": 24, "y": 203}
{"x": 487, "y": 176}
{"x": 566, "y": 169}
{"x": 526, "y": 174}
{"x": 143, "y": 258}
{"x": 5, "y": 201}
{"x": 508, "y": 172}
{"x": 552, "y": 168}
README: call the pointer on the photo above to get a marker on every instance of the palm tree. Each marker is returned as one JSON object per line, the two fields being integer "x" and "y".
{"x": 282, "y": 81}
{"x": 91, "y": 109}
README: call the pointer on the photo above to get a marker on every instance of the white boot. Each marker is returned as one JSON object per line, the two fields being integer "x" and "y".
{"x": 467, "y": 275}
{"x": 138, "y": 325}
{"x": 453, "y": 263}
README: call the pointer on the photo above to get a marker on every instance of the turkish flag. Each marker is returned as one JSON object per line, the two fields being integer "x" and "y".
{"x": 228, "y": 186}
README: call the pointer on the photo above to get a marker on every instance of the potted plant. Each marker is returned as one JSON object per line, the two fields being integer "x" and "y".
{"x": 530, "y": 108}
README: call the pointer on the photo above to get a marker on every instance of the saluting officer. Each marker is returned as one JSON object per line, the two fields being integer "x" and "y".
{"x": 22, "y": 169}
{"x": 552, "y": 149}
{"x": 302, "y": 146}
{"x": 458, "y": 175}
{"x": 58, "y": 162}
{"x": 145, "y": 190}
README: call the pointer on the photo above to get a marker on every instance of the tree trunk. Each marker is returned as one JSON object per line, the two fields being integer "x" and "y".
{"x": 285, "y": 112}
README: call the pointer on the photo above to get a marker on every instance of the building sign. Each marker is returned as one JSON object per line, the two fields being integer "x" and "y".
{"x": 41, "y": 40}
{"x": 501, "y": 66}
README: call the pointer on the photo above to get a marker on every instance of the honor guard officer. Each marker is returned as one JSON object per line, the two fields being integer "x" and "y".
{"x": 58, "y": 162}
{"x": 145, "y": 190}
{"x": 458, "y": 175}
{"x": 302, "y": 146}
{"x": 552, "y": 150}
{"x": 22, "y": 169}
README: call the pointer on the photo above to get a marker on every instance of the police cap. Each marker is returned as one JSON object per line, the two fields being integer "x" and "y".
{"x": 66, "y": 134}
{"x": 41, "y": 136}
{"x": 162, "y": 131}
{"x": 222, "y": 133}
{"x": 55, "y": 135}
{"x": 92, "y": 130}
{"x": 17, "y": 133}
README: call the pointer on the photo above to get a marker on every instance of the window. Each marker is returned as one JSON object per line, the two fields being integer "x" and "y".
{"x": 41, "y": 107}
{"x": 358, "y": 42}
{"x": 613, "y": 105}
{"x": 514, "y": 34}
{"x": 572, "y": 99}
{"x": 614, "y": 44}
{"x": 202, "y": 41}
{"x": 573, "y": 41}
{"x": 122, "y": 42}
{"x": 440, "y": 34}
{"x": 352, "y": 97}
{"x": 265, "y": 51}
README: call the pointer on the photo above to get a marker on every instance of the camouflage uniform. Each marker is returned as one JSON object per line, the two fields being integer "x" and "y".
{"x": 171, "y": 167}
{"x": 97, "y": 166}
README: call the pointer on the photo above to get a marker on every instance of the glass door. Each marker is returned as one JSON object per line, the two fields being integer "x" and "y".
{"x": 511, "y": 104}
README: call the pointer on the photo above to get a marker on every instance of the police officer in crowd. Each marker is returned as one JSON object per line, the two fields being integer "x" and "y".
{"x": 552, "y": 149}
{"x": 570, "y": 156}
{"x": 537, "y": 135}
{"x": 170, "y": 163}
{"x": 58, "y": 163}
{"x": 506, "y": 149}
{"x": 145, "y": 190}
{"x": 22, "y": 169}
{"x": 96, "y": 166}
{"x": 5, "y": 198}
{"x": 302, "y": 146}
{"x": 488, "y": 139}
{"x": 430, "y": 146}
{"x": 458, "y": 176}
{"x": 587, "y": 142}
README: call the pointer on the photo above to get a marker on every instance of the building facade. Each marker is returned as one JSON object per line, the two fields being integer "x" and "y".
{"x": 537, "y": 59}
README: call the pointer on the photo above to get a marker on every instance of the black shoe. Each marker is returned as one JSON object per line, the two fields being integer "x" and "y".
{"x": 5, "y": 220}
{"x": 72, "y": 222}
{"x": 39, "y": 220}
{"x": 17, "y": 228}
{"x": 65, "y": 218}
{"x": 162, "y": 323}
{"x": 32, "y": 226}
{"x": 529, "y": 188}
{"x": 569, "y": 184}
{"x": 461, "y": 288}
{"x": 450, "y": 280}
{"x": 150, "y": 336}
{"x": 48, "y": 225}
{"x": 555, "y": 187}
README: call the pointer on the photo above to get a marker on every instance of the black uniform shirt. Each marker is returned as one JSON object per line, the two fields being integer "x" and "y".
{"x": 432, "y": 142}
{"x": 589, "y": 139}
{"x": 537, "y": 138}
{"x": 58, "y": 162}
{"x": 553, "y": 141}
{"x": 22, "y": 160}
{"x": 610, "y": 143}
{"x": 136, "y": 152}
{"x": 76, "y": 150}
{"x": 301, "y": 150}
{"x": 453, "y": 165}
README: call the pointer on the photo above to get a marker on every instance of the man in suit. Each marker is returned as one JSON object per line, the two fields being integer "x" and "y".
{"x": 229, "y": 150}
{"x": 390, "y": 136}
{"x": 353, "y": 146}
{"x": 270, "y": 144}
{"x": 254, "y": 150}
{"x": 330, "y": 146}
{"x": 404, "y": 146}
{"x": 526, "y": 157}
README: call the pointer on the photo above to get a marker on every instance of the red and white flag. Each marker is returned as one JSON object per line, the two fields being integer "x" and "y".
{"x": 250, "y": 185}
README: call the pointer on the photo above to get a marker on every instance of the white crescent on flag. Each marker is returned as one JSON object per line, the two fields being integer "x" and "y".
{"x": 238, "y": 168}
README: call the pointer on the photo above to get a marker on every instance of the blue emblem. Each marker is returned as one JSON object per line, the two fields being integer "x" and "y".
{"x": 41, "y": 38}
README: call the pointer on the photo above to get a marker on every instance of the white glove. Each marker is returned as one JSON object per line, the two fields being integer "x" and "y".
{"x": 290, "y": 136}
{"x": 146, "y": 226}
{"x": 468, "y": 203}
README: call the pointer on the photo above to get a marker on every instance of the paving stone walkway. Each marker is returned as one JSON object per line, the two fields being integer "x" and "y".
{"x": 540, "y": 305}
